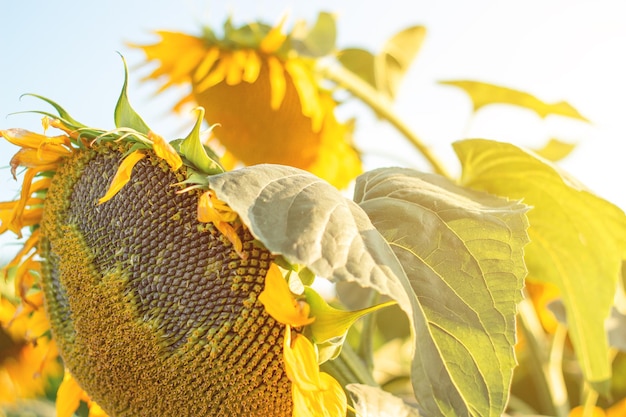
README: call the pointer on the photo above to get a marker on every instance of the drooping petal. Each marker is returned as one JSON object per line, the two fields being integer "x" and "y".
{"x": 301, "y": 361}
{"x": 303, "y": 81}
{"x": 234, "y": 73}
{"x": 212, "y": 210}
{"x": 122, "y": 176}
{"x": 165, "y": 151}
{"x": 314, "y": 393}
{"x": 252, "y": 68}
{"x": 211, "y": 57}
{"x": 277, "y": 82}
{"x": 68, "y": 396}
{"x": 216, "y": 75}
{"x": 280, "y": 303}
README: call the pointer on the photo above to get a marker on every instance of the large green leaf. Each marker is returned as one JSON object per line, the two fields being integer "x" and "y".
{"x": 577, "y": 239}
{"x": 483, "y": 94}
{"x": 462, "y": 252}
{"x": 307, "y": 221}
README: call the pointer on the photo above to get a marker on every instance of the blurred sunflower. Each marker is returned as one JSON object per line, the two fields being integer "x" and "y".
{"x": 261, "y": 86}
{"x": 155, "y": 289}
{"x": 28, "y": 357}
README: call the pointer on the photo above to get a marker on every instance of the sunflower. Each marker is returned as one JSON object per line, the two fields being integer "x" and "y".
{"x": 155, "y": 288}
{"x": 260, "y": 85}
{"x": 28, "y": 357}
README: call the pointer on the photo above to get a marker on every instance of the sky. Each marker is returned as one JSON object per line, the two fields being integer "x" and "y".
{"x": 571, "y": 50}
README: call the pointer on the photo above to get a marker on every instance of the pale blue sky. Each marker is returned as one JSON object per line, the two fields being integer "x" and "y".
{"x": 556, "y": 49}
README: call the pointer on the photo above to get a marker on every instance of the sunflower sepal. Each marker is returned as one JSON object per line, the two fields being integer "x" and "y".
{"x": 62, "y": 113}
{"x": 194, "y": 151}
{"x": 331, "y": 325}
{"x": 125, "y": 115}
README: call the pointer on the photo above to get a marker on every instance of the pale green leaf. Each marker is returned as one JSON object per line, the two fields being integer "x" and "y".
{"x": 321, "y": 38}
{"x": 360, "y": 62}
{"x": 577, "y": 239}
{"x": 396, "y": 57}
{"x": 555, "y": 150}
{"x": 125, "y": 115}
{"x": 307, "y": 221}
{"x": 483, "y": 94}
{"x": 374, "y": 402}
{"x": 462, "y": 251}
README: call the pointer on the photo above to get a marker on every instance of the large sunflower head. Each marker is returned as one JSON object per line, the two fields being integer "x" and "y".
{"x": 160, "y": 299}
{"x": 261, "y": 86}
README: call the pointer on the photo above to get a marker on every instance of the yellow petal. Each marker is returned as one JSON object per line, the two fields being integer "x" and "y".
{"x": 122, "y": 176}
{"x": 213, "y": 210}
{"x": 206, "y": 64}
{"x": 68, "y": 396}
{"x": 95, "y": 410}
{"x": 580, "y": 412}
{"x": 252, "y": 67}
{"x": 301, "y": 361}
{"x": 31, "y": 158}
{"x": 215, "y": 76}
{"x": 303, "y": 81}
{"x": 165, "y": 151}
{"x": 234, "y": 72}
{"x": 314, "y": 393}
{"x": 278, "y": 84}
{"x": 275, "y": 38}
{"x": 280, "y": 303}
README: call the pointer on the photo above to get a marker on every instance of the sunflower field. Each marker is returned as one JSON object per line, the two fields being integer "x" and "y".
{"x": 258, "y": 265}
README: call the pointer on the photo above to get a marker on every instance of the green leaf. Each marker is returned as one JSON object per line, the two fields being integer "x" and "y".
{"x": 396, "y": 57}
{"x": 360, "y": 62}
{"x": 462, "y": 252}
{"x": 374, "y": 402}
{"x": 125, "y": 115}
{"x": 555, "y": 150}
{"x": 321, "y": 38}
{"x": 484, "y": 94}
{"x": 194, "y": 151}
{"x": 308, "y": 222}
{"x": 577, "y": 239}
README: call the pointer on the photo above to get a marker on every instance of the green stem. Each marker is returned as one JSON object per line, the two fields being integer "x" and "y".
{"x": 380, "y": 105}
{"x": 551, "y": 391}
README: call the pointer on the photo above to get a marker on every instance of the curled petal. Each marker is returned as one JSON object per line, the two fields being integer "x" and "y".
{"x": 68, "y": 396}
{"x": 314, "y": 393}
{"x": 213, "y": 210}
{"x": 280, "y": 303}
{"x": 122, "y": 176}
{"x": 165, "y": 151}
